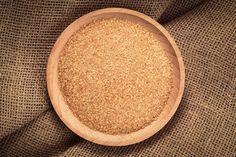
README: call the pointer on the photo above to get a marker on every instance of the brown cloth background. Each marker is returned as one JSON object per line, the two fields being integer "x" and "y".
{"x": 205, "y": 122}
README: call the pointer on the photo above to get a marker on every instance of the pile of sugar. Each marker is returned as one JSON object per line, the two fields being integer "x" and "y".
{"x": 114, "y": 76}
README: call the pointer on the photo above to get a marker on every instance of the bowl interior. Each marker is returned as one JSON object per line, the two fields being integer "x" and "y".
{"x": 65, "y": 113}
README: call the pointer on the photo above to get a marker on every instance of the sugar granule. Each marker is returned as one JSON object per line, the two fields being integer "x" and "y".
{"x": 115, "y": 76}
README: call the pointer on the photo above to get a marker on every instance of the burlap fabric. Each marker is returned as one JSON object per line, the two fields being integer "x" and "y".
{"x": 205, "y": 122}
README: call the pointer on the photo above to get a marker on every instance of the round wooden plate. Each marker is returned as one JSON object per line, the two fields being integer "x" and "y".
{"x": 65, "y": 113}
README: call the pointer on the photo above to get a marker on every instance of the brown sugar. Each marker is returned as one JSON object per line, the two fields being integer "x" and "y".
{"x": 115, "y": 76}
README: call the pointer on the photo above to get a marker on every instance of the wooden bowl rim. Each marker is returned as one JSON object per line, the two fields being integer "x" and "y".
{"x": 73, "y": 123}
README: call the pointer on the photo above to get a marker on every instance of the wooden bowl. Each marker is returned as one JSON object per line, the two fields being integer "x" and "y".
{"x": 66, "y": 114}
